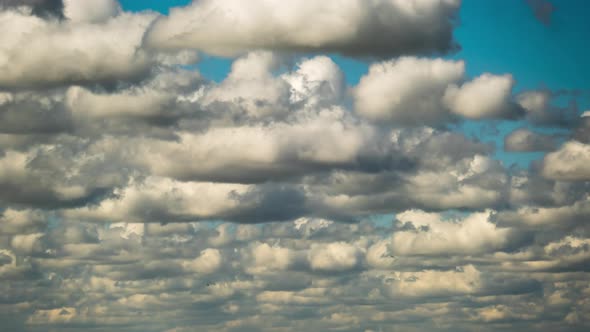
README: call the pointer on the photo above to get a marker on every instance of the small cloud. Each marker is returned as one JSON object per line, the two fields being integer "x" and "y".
{"x": 542, "y": 9}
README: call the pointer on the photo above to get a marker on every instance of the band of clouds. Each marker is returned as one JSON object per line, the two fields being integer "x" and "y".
{"x": 112, "y": 156}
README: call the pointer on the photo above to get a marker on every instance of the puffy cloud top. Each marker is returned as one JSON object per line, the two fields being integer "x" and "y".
{"x": 353, "y": 27}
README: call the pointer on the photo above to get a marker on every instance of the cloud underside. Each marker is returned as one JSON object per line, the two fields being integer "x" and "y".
{"x": 138, "y": 195}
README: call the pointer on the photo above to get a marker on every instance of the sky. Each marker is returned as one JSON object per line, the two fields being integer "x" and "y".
{"x": 267, "y": 165}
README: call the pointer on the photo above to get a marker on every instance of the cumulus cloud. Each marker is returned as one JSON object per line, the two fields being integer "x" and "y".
{"x": 540, "y": 108}
{"x": 487, "y": 96}
{"x": 337, "y": 256}
{"x": 569, "y": 163}
{"x": 249, "y": 154}
{"x": 359, "y": 28}
{"x": 209, "y": 261}
{"x": 136, "y": 194}
{"x": 465, "y": 280}
{"x": 269, "y": 273}
{"x": 524, "y": 140}
{"x": 112, "y": 54}
{"x": 427, "y": 234}
{"x": 90, "y": 11}
{"x": 419, "y": 91}
{"x": 407, "y": 91}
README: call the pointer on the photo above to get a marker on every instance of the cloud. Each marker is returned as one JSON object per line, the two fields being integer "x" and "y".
{"x": 436, "y": 283}
{"x": 59, "y": 53}
{"x": 542, "y": 9}
{"x": 539, "y": 108}
{"x": 337, "y": 256}
{"x": 284, "y": 271}
{"x": 111, "y": 55}
{"x": 568, "y": 163}
{"x": 407, "y": 91}
{"x": 427, "y": 234}
{"x": 136, "y": 194}
{"x": 358, "y": 28}
{"x": 524, "y": 140}
{"x": 209, "y": 261}
{"x": 91, "y": 11}
{"x": 487, "y": 96}
{"x": 582, "y": 132}
{"x": 418, "y": 91}
{"x": 26, "y": 181}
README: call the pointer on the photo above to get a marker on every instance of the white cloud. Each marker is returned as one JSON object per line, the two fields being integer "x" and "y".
{"x": 466, "y": 280}
{"x": 163, "y": 200}
{"x": 318, "y": 82}
{"x": 267, "y": 259}
{"x": 208, "y": 262}
{"x": 431, "y": 235}
{"x": 27, "y": 243}
{"x": 337, "y": 256}
{"x": 569, "y": 163}
{"x": 251, "y": 153}
{"x": 407, "y": 91}
{"x": 96, "y": 11}
{"x": 487, "y": 96}
{"x": 36, "y": 52}
{"x": 382, "y": 27}
{"x": 278, "y": 198}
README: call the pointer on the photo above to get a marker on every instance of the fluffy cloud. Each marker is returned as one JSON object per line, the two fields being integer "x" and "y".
{"x": 109, "y": 56}
{"x": 487, "y": 96}
{"x": 282, "y": 271}
{"x": 138, "y": 195}
{"x": 257, "y": 153}
{"x": 465, "y": 280}
{"x": 540, "y": 108}
{"x": 420, "y": 91}
{"x": 209, "y": 261}
{"x": 384, "y": 27}
{"x": 407, "y": 91}
{"x": 427, "y": 234}
{"x": 90, "y": 11}
{"x": 337, "y": 256}
{"x": 569, "y": 163}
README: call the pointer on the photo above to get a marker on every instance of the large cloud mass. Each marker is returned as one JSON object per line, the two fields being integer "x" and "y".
{"x": 137, "y": 194}
{"x": 353, "y": 27}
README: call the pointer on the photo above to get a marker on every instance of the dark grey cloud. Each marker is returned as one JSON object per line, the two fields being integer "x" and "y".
{"x": 42, "y": 8}
{"x": 540, "y": 107}
{"x": 524, "y": 140}
{"x": 582, "y": 131}
{"x": 542, "y": 9}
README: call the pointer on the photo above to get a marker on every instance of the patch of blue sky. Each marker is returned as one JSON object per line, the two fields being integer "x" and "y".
{"x": 162, "y": 6}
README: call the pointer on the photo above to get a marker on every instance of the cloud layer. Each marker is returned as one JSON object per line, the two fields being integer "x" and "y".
{"x": 138, "y": 195}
